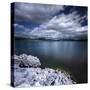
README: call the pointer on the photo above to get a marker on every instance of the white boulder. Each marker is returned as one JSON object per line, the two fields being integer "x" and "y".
{"x": 25, "y": 60}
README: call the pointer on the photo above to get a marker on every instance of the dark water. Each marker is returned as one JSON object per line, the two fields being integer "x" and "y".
{"x": 68, "y": 55}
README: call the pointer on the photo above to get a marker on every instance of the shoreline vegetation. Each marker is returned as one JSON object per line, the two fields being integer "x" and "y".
{"x": 28, "y": 72}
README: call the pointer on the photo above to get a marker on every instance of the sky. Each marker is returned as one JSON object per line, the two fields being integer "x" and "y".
{"x": 49, "y": 21}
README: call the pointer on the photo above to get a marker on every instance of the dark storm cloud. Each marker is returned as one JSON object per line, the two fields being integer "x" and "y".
{"x": 35, "y": 12}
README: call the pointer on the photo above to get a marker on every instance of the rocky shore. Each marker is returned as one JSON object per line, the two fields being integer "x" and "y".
{"x": 27, "y": 73}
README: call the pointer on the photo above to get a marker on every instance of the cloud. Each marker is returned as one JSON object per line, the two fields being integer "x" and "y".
{"x": 20, "y": 30}
{"x": 51, "y": 24}
{"x": 66, "y": 25}
{"x": 19, "y": 26}
{"x": 65, "y": 22}
{"x": 35, "y": 12}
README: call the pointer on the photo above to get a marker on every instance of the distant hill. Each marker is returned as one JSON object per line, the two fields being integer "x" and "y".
{"x": 75, "y": 39}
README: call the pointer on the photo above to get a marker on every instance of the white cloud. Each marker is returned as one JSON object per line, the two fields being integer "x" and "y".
{"x": 66, "y": 25}
{"x": 19, "y": 26}
{"x": 48, "y": 34}
{"x": 65, "y": 22}
{"x": 82, "y": 29}
{"x": 20, "y": 30}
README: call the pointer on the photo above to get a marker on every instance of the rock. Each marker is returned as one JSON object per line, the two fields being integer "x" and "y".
{"x": 24, "y": 60}
{"x": 20, "y": 75}
{"x": 35, "y": 76}
{"x": 40, "y": 77}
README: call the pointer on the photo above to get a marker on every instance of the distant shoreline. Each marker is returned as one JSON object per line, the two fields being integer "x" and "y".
{"x": 42, "y": 39}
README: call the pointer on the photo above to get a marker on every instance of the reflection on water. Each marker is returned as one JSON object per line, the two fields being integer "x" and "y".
{"x": 70, "y": 55}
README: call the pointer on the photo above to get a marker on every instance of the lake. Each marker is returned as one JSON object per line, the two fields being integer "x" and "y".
{"x": 66, "y": 55}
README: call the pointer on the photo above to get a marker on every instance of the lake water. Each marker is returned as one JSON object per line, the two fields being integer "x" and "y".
{"x": 67, "y": 55}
